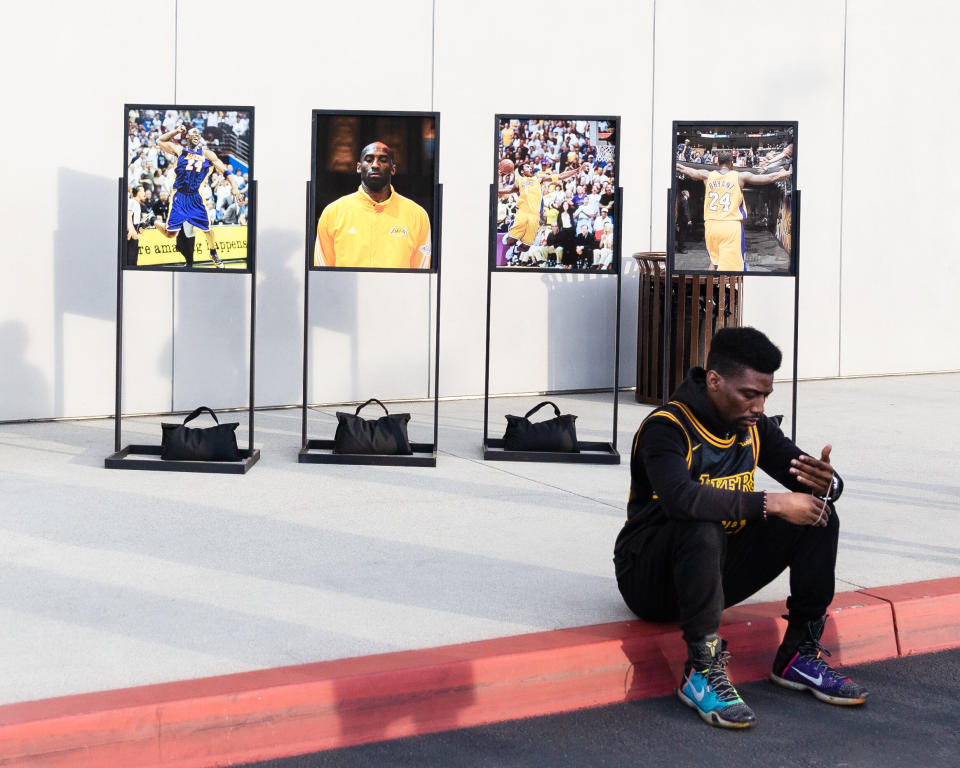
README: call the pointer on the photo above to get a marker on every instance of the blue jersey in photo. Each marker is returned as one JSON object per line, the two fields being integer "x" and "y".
{"x": 192, "y": 169}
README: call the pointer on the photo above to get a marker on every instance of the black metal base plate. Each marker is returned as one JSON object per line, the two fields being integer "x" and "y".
{"x": 122, "y": 459}
{"x": 590, "y": 453}
{"x": 321, "y": 452}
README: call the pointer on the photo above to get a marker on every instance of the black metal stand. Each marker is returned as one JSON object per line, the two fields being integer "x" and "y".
{"x": 121, "y": 458}
{"x": 796, "y": 309}
{"x": 590, "y": 452}
{"x": 667, "y": 303}
{"x": 320, "y": 451}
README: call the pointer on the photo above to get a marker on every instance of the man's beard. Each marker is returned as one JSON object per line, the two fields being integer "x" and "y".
{"x": 376, "y": 184}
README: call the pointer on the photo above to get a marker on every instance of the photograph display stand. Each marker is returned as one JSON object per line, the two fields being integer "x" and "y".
{"x": 148, "y": 456}
{"x": 670, "y": 334}
{"x": 591, "y": 452}
{"x": 320, "y": 450}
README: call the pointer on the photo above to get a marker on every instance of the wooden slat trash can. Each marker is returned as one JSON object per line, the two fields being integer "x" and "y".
{"x": 700, "y": 305}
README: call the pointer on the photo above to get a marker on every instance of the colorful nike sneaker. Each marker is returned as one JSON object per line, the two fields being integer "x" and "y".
{"x": 706, "y": 688}
{"x": 216, "y": 259}
{"x": 806, "y": 670}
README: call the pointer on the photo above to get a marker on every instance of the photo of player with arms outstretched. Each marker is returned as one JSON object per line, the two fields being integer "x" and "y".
{"x": 733, "y": 186}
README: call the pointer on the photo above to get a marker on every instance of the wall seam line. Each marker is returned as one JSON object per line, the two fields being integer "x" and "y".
{"x": 843, "y": 154}
{"x": 653, "y": 101}
{"x": 431, "y": 327}
{"x": 173, "y": 277}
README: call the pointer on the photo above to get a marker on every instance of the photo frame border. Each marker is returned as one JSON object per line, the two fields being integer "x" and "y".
{"x": 492, "y": 222}
{"x": 436, "y": 208}
{"x": 794, "y": 199}
{"x": 251, "y": 267}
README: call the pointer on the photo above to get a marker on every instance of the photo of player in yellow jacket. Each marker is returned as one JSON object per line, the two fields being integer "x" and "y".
{"x": 374, "y": 227}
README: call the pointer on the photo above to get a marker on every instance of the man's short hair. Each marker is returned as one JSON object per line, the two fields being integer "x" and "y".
{"x": 386, "y": 148}
{"x": 724, "y": 158}
{"x": 735, "y": 349}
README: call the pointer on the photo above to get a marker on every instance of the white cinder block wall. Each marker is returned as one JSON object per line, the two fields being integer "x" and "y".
{"x": 878, "y": 273}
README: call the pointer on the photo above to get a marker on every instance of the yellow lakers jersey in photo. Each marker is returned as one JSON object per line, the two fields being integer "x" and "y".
{"x": 724, "y": 198}
{"x": 357, "y": 231}
{"x": 529, "y": 194}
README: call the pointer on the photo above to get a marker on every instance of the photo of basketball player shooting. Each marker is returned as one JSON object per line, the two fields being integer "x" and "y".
{"x": 194, "y": 164}
{"x": 529, "y": 189}
{"x": 555, "y": 178}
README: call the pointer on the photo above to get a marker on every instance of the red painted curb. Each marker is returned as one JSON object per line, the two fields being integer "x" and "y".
{"x": 291, "y": 710}
{"x": 926, "y": 613}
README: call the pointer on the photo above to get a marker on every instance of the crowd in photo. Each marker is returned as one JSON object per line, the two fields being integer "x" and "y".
{"x": 151, "y": 172}
{"x": 577, "y": 212}
{"x": 768, "y": 156}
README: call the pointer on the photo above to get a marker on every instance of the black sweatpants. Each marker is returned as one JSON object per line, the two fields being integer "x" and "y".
{"x": 689, "y": 572}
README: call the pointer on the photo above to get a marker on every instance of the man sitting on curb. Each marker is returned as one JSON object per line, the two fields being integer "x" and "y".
{"x": 698, "y": 538}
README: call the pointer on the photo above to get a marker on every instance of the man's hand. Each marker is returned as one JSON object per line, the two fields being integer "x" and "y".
{"x": 798, "y": 508}
{"x": 816, "y": 475}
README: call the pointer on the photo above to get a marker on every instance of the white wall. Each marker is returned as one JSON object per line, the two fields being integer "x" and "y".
{"x": 547, "y": 331}
{"x": 788, "y": 66}
{"x": 66, "y": 76}
{"x": 862, "y": 78}
{"x": 900, "y": 266}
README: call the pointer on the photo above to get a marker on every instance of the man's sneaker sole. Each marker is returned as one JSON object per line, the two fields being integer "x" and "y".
{"x": 839, "y": 700}
{"x": 712, "y": 718}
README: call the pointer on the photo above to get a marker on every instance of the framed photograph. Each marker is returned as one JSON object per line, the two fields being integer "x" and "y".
{"x": 733, "y": 197}
{"x": 190, "y": 202}
{"x": 556, "y": 194}
{"x": 375, "y": 196}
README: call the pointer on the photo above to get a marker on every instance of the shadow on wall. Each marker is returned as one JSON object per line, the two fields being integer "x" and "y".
{"x": 279, "y": 317}
{"x": 85, "y": 279}
{"x": 629, "y": 297}
{"x": 213, "y": 331}
{"x": 211, "y": 338}
{"x": 334, "y": 297}
{"x": 24, "y": 390}
{"x": 580, "y": 329}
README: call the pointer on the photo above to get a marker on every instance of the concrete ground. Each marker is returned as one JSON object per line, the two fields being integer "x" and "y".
{"x": 113, "y": 578}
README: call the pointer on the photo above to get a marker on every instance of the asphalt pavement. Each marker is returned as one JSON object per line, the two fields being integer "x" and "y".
{"x": 911, "y": 718}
